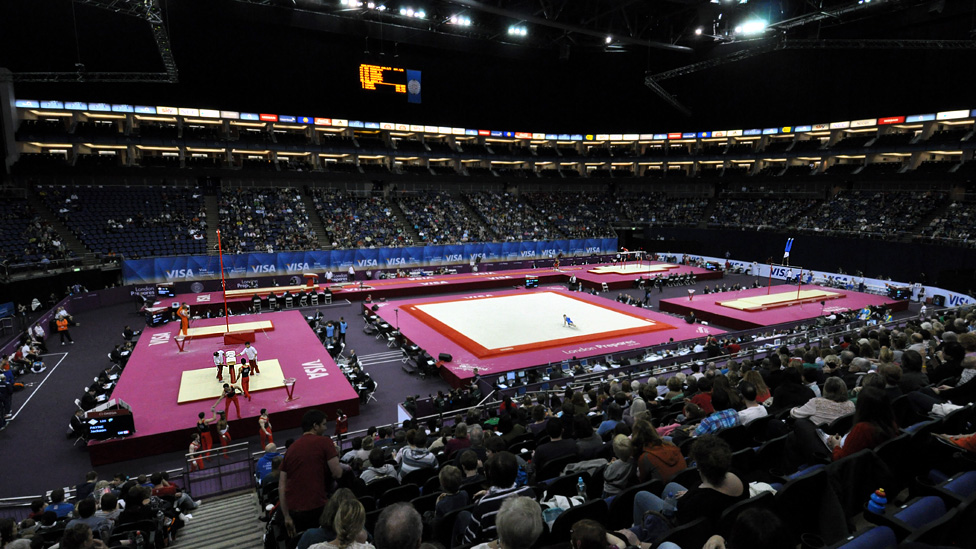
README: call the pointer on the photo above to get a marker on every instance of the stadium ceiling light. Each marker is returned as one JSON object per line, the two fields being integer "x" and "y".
{"x": 699, "y": 31}
{"x": 460, "y": 20}
{"x": 608, "y": 39}
{"x": 516, "y": 30}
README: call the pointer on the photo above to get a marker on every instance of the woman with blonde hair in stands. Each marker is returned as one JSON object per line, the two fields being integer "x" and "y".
{"x": 347, "y": 525}
{"x": 762, "y": 390}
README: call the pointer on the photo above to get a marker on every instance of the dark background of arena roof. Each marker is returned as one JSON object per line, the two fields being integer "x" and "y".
{"x": 302, "y": 59}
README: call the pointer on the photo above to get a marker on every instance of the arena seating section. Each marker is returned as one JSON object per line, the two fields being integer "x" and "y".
{"x": 265, "y": 220}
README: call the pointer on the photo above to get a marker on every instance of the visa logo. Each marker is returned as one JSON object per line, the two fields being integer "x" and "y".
{"x": 179, "y": 273}
{"x": 526, "y": 253}
{"x": 779, "y": 271}
{"x": 396, "y": 261}
{"x": 297, "y": 266}
{"x": 367, "y": 263}
{"x": 548, "y": 252}
{"x": 593, "y": 250}
{"x": 957, "y": 300}
{"x": 454, "y": 257}
{"x": 263, "y": 268}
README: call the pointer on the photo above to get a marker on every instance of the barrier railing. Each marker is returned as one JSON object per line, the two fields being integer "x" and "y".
{"x": 224, "y": 469}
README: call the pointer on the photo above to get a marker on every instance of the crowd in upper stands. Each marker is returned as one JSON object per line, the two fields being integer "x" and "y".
{"x": 439, "y": 218}
{"x": 26, "y": 238}
{"x": 358, "y": 221}
{"x": 265, "y": 220}
{"x": 509, "y": 218}
{"x": 577, "y": 215}
{"x": 157, "y": 221}
{"x": 131, "y": 221}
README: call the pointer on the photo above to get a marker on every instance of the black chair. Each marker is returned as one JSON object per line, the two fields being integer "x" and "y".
{"x": 369, "y": 503}
{"x": 841, "y": 425}
{"x": 935, "y": 533}
{"x": 743, "y": 462}
{"x": 554, "y": 467}
{"x": 595, "y": 509}
{"x": 594, "y": 486}
{"x": 404, "y": 492}
{"x": 444, "y": 528}
{"x": 431, "y": 485}
{"x": 729, "y": 516}
{"x": 896, "y": 453}
{"x": 737, "y": 437}
{"x": 426, "y": 502}
{"x": 622, "y": 507}
{"x": 692, "y": 534}
{"x": 564, "y": 486}
{"x": 419, "y": 476}
{"x": 758, "y": 429}
{"x": 378, "y": 487}
{"x": 798, "y": 501}
{"x": 688, "y": 478}
{"x": 524, "y": 445}
{"x": 371, "y": 518}
{"x": 770, "y": 454}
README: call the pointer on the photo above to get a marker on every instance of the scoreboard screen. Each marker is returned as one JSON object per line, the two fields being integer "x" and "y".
{"x": 390, "y": 80}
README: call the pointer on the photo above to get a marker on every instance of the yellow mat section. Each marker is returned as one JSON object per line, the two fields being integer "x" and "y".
{"x": 773, "y": 300}
{"x": 220, "y": 329}
{"x": 263, "y": 292}
{"x": 202, "y": 384}
{"x": 632, "y": 268}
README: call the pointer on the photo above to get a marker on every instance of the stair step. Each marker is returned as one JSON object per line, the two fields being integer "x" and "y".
{"x": 231, "y": 522}
{"x": 314, "y": 220}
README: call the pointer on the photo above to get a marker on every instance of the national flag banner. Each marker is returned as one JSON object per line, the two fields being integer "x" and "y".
{"x": 413, "y": 86}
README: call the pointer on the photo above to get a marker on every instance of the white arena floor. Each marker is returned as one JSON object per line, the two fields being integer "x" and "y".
{"x": 529, "y": 318}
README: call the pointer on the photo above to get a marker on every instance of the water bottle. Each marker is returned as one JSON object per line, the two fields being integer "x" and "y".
{"x": 581, "y": 488}
{"x": 671, "y": 504}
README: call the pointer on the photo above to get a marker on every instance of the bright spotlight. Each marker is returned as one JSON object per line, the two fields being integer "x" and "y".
{"x": 608, "y": 39}
{"x": 403, "y": 11}
{"x": 698, "y": 31}
{"x": 756, "y": 26}
{"x": 420, "y": 14}
{"x": 516, "y": 30}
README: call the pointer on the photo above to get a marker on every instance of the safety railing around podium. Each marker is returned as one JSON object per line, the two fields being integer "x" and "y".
{"x": 220, "y": 470}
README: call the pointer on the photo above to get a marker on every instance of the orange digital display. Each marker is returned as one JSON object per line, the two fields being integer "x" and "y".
{"x": 371, "y": 76}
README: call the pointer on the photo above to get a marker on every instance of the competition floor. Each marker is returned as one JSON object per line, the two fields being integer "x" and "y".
{"x": 167, "y": 388}
{"x": 752, "y": 308}
{"x": 509, "y": 330}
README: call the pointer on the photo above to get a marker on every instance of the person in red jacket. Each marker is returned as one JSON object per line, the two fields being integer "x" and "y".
{"x": 656, "y": 458}
{"x": 264, "y": 428}
{"x": 184, "y": 313}
{"x": 874, "y": 423}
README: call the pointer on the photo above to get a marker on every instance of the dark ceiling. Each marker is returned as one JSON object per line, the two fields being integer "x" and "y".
{"x": 302, "y": 58}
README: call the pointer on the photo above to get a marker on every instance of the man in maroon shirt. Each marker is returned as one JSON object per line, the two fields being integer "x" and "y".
{"x": 307, "y": 472}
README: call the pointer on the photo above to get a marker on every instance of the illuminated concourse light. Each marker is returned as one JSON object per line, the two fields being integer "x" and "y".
{"x": 460, "y": 20}
{"x": 698, "y": 31}
{"x": 609, "y": 39}
{"x": 753, "y": 27}
{"x": 516, "y": 30}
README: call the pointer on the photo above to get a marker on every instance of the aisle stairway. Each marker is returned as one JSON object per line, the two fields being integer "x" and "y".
{"x": 409, "y": 230}
{"x": 315, "y": 220}
{"x": 212, "y": 208}
{"x": 226, "y": 522}
{"x": 68, "y": 238}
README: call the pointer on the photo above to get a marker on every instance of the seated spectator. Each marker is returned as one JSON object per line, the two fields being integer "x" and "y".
{"x": 58, "y": 505}
{"x": 502, "y": 470}
{"x": 724, "y": 416}
{"x": 263, "y": 467}
{"x": 86, "y": 515}
{"x": 85, "y": 489}
{"x": 588, "y": 443}
{"x": 620, "y": 473}
{"x": 80, "y": 536}
{"x": 460, "y": 440}
{"x": 108, "y": 508}
{"x": 271, "y": 480}
{"x": 452, "y": 497}
{"x": 874, "y": 423}
{"x": 350, "y": 518}
{"x": 163, "y": 488}
{"x": 762, "y": 390}
{"x": 832, "y": 405}
{"x": 753, "y": 410}
{"x": 539, "y": 419}
{"x": 615, "y": 415}
{"x": 325, "y": 531}
{"x": 912, "y": 378}
{"x": 656, "y": 459}
{"x": 718, "y": 490}
{"x": 704, "y": 397}
{"x": 417, "y": 456}
{"x": 378, "y": 468}
{"x": 556, "y": 446}
{"x": 470, "y": 465}
{"x": 518, "y": 524}
{"x": 791, "y": 392}
{"x": 399, "y": 526}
